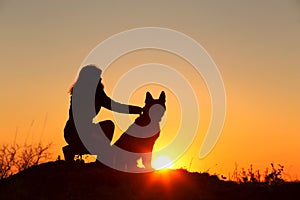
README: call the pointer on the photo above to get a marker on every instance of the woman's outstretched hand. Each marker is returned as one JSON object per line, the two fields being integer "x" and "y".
{"x": 135, "y": 110}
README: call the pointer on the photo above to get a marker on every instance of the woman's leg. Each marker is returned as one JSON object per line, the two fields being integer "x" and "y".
{"x": 75, "y": 146}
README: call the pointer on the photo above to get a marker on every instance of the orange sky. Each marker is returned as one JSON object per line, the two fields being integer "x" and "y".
{"x": 255, "y": 45}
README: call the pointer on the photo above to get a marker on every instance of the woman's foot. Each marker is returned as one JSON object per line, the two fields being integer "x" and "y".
{"x": 68, "y": 153}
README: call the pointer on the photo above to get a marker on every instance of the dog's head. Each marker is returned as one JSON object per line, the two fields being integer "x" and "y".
{"x": 155, "y": 108}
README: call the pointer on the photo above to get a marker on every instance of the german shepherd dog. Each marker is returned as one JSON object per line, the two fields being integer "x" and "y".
{"x": 138, "y": 140}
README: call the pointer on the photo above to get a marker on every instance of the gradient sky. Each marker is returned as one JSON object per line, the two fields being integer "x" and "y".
{"x": 255, "y": 44}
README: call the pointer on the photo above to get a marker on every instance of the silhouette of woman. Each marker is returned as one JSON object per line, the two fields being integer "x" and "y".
{"x": 89, "y": 76}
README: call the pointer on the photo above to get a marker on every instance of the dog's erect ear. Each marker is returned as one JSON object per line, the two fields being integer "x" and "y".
{"x": 162, "y": 96}
{"x": 148, "y": 97}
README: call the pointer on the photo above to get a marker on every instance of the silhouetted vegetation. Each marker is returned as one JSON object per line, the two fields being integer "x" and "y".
{"x": 270, "y": 177}
{"x": 16, "y": 158}
{"x": 275, "y": 176}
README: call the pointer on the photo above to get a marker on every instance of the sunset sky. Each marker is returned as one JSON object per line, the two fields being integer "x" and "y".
{"x": 255, "y": 44}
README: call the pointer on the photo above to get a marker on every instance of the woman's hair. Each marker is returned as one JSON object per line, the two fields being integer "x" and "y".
{"x": 88, "y": 73}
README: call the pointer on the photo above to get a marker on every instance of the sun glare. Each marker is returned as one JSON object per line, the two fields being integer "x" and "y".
{"x": 162, "y": 162}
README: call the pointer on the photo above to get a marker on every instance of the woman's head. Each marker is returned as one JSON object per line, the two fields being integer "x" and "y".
{"x": 88, "y": 74}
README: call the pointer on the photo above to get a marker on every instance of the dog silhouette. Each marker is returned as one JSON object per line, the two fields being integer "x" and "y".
{"x": 138, "y": 140}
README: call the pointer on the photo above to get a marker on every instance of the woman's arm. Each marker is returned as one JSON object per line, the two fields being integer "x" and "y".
{"x": 112, "y": 105}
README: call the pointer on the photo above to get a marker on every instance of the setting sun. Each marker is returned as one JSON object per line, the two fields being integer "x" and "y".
{"x": 162, "y": 162}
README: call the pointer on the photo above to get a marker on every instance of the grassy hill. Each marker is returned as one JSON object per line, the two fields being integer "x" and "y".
{"x": 61, "y": 180}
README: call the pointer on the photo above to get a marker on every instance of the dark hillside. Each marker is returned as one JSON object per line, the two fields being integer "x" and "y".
{"x": 60, "y": 180}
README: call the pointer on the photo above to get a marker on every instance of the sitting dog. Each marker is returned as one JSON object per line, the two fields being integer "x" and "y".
{"x": 138, "y": 140}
